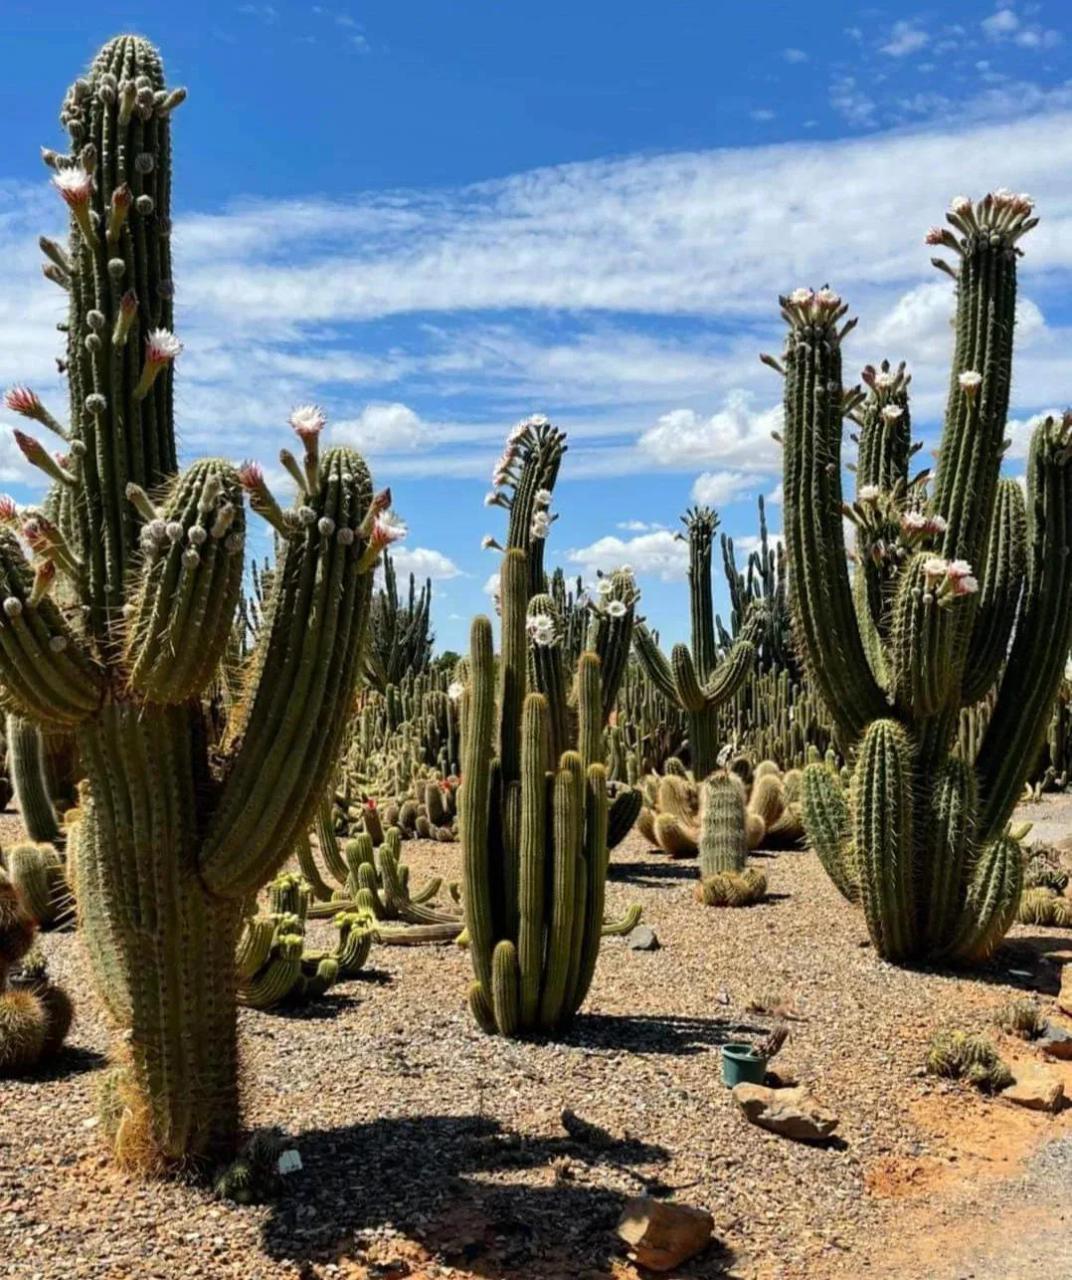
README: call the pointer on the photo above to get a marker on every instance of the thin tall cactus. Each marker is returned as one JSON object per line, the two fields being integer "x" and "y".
{"x": 959, "y": 587}
{"x": 147, "y": 564}
{"x": 697, "y": 680}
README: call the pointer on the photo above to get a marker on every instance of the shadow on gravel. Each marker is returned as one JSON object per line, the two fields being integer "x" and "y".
{"x": 72, "y": 1060}
{"x": 666, "y": 869}
{"x": 670, "y": 1034}
{"x": 1022, "y": 961}
{"x": 464, "y": 1193}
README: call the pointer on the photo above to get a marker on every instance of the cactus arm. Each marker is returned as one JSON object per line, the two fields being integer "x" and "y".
{"x": 47, "y": 675}
{"x": 567, "y": 835}
{"x": 731, "y": 673}
{"x": 882, "y": 830}
{"x": 821, "y": 595}
{"x": 291, "y": 725}
{"x": 701, "y": 524}
{"x": 594, "y": 862}
{"x": 950, "y": 837}
{"x": 548, "y": 672}
{"x": 828, "y": 826}
{"x": 999, "y": 595}
{"x": 1033, "y": 674}
{"x": 992, "y": 900}
{"x": 513, "y": 662}
{"x": 970, "y": 454}
{"x": 190, "y": 583}
{"x": 533, "y": 837}
{"x": 655, "y": 665}
{"x": 474, "y": 801}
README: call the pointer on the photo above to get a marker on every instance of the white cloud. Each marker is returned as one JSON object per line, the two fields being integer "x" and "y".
{"x": 905, "y": 38}
{"x": 661, "y": 553}
{"x": 852, "y": 103}
{"x": 794, "y": 55}
{"x": 425, "y": 563}
{"x": 717, "y": 488}
{"x": 735, "y": 435}
{"x": 383, "y": 428}
{"x": 1002, "y": 23}
{"x": 638, "y": 526}
{"x": 491, "y": 586}
{"x": 762, "y": 114}
{"x": 1020, "y": 430}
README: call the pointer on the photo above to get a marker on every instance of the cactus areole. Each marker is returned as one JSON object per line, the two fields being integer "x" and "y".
{"x": 116, "y": 623}
{"x": 961, "y": 590}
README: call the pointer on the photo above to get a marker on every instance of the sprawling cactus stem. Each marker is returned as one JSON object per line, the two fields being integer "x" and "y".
{"x": 697, "y": 681}
{"x": 532, "y": 808}
{"x": 172, "y": 837}
{"x": 959, "y": 594}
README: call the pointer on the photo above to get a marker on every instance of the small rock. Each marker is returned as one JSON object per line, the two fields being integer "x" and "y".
{"x": 793, "y": 1113}
{"x": 1056, "y": 1042}
{"x": 1036, "y": 1089}
{"x": 661, "y": 1234}
{"x": 1064, "y": 996}
{"x": 643, "y": 939}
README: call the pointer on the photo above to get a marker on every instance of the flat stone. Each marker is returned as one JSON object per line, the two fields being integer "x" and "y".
{"x": 662, "y": 1234}
{"x": 1056, "y": 1042}
{"x": 643, "y": 938}
{"x": 794, "y": 1113}
{"x": 1037, "y": 1089}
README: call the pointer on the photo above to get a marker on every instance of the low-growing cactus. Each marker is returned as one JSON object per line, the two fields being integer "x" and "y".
{"x": 40, "y": 880}
{"x": 1021, "y": 1018}
{"x": 35, "y": 1016}
{"x": 959, "y": 586}
{"x": 958, "y": 1055}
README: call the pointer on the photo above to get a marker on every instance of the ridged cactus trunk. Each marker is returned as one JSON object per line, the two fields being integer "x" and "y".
{"x": 960, "y": 592}
{"x": 117, "y": 625}
{"x": 533, "y": 804}
{"x": 698, "y": 680}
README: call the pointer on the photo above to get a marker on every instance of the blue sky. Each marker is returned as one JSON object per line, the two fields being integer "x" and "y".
{"x": 436, "y": 218}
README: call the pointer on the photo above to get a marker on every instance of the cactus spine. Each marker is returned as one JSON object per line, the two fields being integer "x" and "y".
{"x": 961, "y": 591}
{"x": 696, "y": 680}
{"x": 171, "y": 839}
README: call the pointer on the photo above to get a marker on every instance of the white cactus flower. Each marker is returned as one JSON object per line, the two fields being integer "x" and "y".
{"x": 969, "y": 380}
{"x": 616, "y": 609}
{"x": 455, "y": 690}
{"x": 892, "y": 412}
{"x": 161, "y": 346}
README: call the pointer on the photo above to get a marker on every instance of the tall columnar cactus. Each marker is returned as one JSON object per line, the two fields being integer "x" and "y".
{"x": 960, "y": 591}
{"x": 697, "y": 680}
{"x": 147, "y": 564}
{"x": 533, "y": 803}
{"x": 400, "y": 634}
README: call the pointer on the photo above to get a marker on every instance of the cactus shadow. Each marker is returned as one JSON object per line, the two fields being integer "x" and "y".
{"x": 71, "y": 1060}
{"x": 672, "y": 1035}
{"x": 462, "y": 1191}
{"x": 1023, "y": 962}
{"x": 662, "y": 869}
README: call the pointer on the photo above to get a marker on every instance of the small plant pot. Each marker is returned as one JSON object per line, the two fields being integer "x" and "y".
{"x": 741, "y": 1064}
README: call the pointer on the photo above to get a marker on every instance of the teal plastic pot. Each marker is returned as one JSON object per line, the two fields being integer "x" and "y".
{"x": 742, "y": 1065}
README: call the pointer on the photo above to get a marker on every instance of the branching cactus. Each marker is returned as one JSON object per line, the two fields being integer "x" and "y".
{"x": 120, "y": 617}
{"x": 533, "y": 803}
{"x": 961, "y": 591}
{"x": 696, "y": 680}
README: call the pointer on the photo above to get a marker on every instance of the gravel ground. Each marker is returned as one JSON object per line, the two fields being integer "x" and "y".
{"x": 430, "y": 1149}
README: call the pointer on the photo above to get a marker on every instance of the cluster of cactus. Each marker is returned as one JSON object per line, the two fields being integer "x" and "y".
{"x": 962, "y": 1055}
{"x": 533, "y": 803}
{"x": 35, "y": 1015}
{"x": 1045, "y": 900}
{"x": 41, "y": 880}
{"x": 1052, "y": 768}
{"x": 672, "y": 817}
{"x": 402, "y": 738}
{"x": 274, "y": 968}
{"x": 429, "y": 812}
{"x": 649, "y": 727}
{"x": 115, "y": 628}
{"x": 762, "y": 584}
{"x": 701, "y": 681}
{"x": 400, "y": 635}
{"x": 959, "y": 588}
{"x": 1021, "y": 1017}
{"x": 772, "y": 716}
